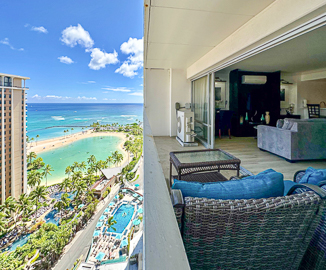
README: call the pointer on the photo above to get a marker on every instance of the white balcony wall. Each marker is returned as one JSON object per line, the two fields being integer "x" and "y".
{"x": 180, "y": 91}
{"x": 163, "y": 88}
{"x": 157, "y": 100}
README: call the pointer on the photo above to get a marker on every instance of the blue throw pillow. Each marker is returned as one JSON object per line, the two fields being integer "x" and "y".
{"x": 287, "y": 186}
{"x": 313, "y": 176}
{"x": 264, "y": 185}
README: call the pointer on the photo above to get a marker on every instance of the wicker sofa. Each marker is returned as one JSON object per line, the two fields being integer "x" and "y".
{"x": 315, "y": 256}
{"x": 296, "y": 140}
{"x": 271, "y": 233}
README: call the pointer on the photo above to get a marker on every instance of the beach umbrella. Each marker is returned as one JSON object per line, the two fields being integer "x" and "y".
{"x": 100, "y": 256}
{"x": 136, "y": 222}
{"x": 111, "y": 203}
{"x": 118, "y": 236}
{"x": 136, "y": 185}
{"x": 103, "y": 217}
{"x": 116, "y": 197}
{"x": 140, "y": 198}
{"x": 124, "y": 243}
{"x": 81, "y": 205}
{"x": 140, "y": 210}
{"x": 135, "y": 195}
{"x": 124, "y": 190}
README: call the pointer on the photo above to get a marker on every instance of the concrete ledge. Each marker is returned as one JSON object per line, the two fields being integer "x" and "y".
{"x": 163, "y": 245}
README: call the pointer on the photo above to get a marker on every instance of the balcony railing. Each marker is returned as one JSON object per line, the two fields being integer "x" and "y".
{"x": 163, "y": 246}
{"x": 10, "y": 85}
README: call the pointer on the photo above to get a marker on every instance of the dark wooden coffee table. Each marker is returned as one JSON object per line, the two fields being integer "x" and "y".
{"x": 202, "y": 165}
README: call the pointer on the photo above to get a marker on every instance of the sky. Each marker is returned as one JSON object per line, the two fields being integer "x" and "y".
{"x": 85, "y": 51}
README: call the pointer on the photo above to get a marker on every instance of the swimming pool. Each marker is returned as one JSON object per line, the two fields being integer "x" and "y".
{"x": 57, "y": 195}
{"x": 22, "y": 240}
{"x": 50, "y": 217}
{"x": 122, "y": 216}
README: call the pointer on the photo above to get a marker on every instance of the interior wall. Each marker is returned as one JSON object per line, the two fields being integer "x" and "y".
{"x": 157, "y": 100}
{"x": 225, "y": 77}
{"x": 180, "y": 91}
{"x": 314, "y": 92}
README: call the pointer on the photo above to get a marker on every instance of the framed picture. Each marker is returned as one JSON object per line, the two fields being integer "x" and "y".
{"x": 282, "y": 93}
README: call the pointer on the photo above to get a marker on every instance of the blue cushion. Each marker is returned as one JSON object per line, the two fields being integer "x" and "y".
{"x": 313, "y": 176}
{"x": 287, "y": 186}
{"x": 264, "y": 185}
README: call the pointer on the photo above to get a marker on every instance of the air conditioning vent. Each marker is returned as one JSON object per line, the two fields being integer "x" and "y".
{"x": 251, "y": 79}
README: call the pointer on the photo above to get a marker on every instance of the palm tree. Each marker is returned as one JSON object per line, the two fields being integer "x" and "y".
{"x": 59, "y": 205}
{"x": 71, "y": 131}
{"x": 109, "y": 160}
{"x": 82, "y": 165}
{"x": 65, "y": 133}
{"x": 110, "y": 223}
{"x": 30, "y": 156}
{"x": 68, "y": 170}
{"x": 9, "y": 206}
{"x": 65, "y": 184}
{"x": 33, "y": 178}
{"x": 91, "y": 160}
{"x": 3, "y": 222}
{"x": 24, "y": 206}
{"x": 37, "y": 194}
{"x": 32, "y": 139}
{"x": 90, "y": 180}
{"x": 119, "y": 158}
{"x": 80, "y": 188}
{"x": 47, "y": 170}
{"x": 37, "y": 136}
{"x": 75, "y": 166}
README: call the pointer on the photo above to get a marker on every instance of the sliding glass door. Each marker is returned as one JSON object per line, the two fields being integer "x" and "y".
{"x": 202, "y": 106}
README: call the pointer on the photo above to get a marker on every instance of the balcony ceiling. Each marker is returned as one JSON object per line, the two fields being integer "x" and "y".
{"x": 304, "y": 53}
{"x": 177, "y": 33}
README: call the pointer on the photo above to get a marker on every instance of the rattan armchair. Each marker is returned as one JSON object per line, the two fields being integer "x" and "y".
{"x": 315, "y": 256}
{"x": 271, "y": 233}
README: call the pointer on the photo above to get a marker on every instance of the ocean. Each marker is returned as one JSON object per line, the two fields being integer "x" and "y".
{"x": 49, "y": 120}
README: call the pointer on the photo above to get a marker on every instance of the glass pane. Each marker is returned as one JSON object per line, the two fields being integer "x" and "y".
{"x": 200, "y": 106}
{"x": 191, "y": 157}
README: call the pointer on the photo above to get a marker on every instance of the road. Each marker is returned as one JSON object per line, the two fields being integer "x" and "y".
{"x": 82, "y": 243}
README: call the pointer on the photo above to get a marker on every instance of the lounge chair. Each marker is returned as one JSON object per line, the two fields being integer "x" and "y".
{"x": 315, "y": 256}
{"x": 269, "y": 233}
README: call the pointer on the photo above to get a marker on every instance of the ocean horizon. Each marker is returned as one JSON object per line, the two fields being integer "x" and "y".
{"x": 49, "y": 120}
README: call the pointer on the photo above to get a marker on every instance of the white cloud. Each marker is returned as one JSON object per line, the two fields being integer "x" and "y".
{"x": 109, "y": 99}
{"x": 105, "y": 99}
{"x": 56, "y": 97}
{"x": 87, "y": 98}
{"x": 136, "y": 94}
{"x": 117, "y": 89}
{"x": 36, "y": 96}
{"x": 65, "y": 60}
{"x": 91, "y": 81}
{"x": 73, "y": 35}
{"x": 133, "y": 47}
{"x": 39, "y": 29}
{"x": 100, "y": 59}
{"x": 141, "y": 85}
{"x": 5, "y": 41}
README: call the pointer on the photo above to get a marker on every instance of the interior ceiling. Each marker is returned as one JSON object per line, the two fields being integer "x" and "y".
{"x": 304, "y": 53}
{"x": 180, "y": 32}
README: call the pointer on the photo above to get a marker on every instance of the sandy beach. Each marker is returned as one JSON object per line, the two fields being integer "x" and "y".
{"x": 51, "y": 144}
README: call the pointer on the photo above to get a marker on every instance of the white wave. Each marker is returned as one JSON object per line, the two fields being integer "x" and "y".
{"x": 81, "y": 118}
{"x": 128, "y": 115}
{"x": 58, "y": 118}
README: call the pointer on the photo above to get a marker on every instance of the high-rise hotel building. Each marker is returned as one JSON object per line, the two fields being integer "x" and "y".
{"x": 13, "y": 167}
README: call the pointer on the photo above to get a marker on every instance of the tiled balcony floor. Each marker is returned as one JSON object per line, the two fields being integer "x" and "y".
{"x": 245, "y": 149}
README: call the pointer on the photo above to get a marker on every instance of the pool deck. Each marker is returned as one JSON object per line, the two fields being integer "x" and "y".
{"x": 107, "y": 242}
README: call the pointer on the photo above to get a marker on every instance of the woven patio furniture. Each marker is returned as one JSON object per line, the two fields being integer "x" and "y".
{"x": 264, "y": 234}
{"x": 315, "y": 256}
{"x": 205, "y": 164}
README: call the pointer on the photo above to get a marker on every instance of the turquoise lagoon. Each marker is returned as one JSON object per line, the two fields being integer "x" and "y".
{"x": 101, "y": 147}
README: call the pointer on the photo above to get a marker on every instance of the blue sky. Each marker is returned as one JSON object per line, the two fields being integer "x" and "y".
{"x": 75, "y": 51}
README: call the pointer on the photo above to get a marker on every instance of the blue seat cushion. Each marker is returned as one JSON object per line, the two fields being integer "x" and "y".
{"x": 264, "y": 185}
{"x": 287, "y": 186}
{"x": 313, "y": 176}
